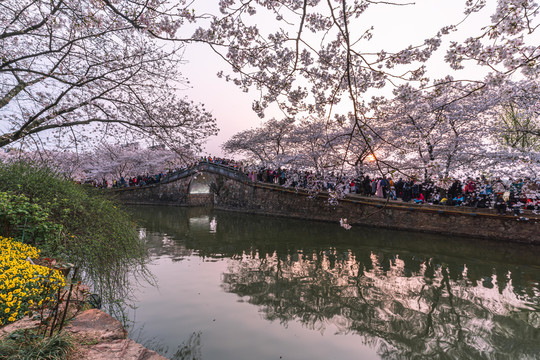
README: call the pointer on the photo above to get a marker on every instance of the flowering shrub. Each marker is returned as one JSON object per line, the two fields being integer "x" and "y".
{"x": 71, "y": 223}
{"x": 24, "y": 219}
{"x": 23, "y": 286}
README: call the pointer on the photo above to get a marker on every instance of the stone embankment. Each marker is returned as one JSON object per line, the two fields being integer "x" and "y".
{"x": 243, "y": 195}
{"x": 374, "y": 212}
{"x": 103, "y": 337}
{"x": 97, "y": 335}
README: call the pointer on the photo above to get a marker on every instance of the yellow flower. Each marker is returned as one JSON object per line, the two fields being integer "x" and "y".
{"x": 22, "y": 283}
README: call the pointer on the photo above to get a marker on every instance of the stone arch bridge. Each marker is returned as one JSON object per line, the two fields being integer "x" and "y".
{"x": 226, "y": 188}
{"x": 200, "y": 185}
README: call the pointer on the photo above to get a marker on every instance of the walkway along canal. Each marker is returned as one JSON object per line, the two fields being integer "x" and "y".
{"x": 224, "y": 188}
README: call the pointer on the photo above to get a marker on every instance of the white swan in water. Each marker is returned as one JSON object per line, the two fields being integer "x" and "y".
{"x": 343, "y": 223}
{"x": 213, "y": 225}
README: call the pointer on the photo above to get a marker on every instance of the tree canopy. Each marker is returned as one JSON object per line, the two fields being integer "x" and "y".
{"x": 317, "y": 58}
{"x": 83, "y": 67}
{"x": 113, "y": 65}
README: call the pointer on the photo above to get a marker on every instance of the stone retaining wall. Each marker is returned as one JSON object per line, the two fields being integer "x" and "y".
{"x": 268, "y": 199}
{"x": 460, "y": 221}
{"x": 171, "y": 193}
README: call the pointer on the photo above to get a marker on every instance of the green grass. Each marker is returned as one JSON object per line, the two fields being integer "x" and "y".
{"x": 26, "y": 345}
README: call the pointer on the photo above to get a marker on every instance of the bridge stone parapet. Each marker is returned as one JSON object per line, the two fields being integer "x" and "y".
{"x": 234, "y": 191}
{"x": 165, "y": 193}
{"x": 182, "y": 188}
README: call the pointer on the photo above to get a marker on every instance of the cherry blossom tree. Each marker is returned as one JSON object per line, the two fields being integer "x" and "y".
{"x": 95, "y": 67}
{"x": 520, "y": 119}
{"x": 322, "y": 44}
{"x": 310, "y": 143}
{"x": 313, "y": 140}
{"x": 105, "y": 161}
{"x": 307, "y": 144}
{"x": 315, "y": 57}
{"x": 268, "y": 144}
{"x": 111, "y": 161}
{"x": 435, "y": 132}
{"x": 335, "y": 145}
{"x": 68, "y": 164}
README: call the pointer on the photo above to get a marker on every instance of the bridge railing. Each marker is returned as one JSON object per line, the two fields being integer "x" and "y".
{"x": 215, "y": 168}
{"x": 221, "y": 169}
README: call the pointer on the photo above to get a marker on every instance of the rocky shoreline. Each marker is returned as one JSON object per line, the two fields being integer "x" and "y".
{"x": 97, "y": 336}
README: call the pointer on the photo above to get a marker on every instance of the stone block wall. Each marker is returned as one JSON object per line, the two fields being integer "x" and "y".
{"x": 245, "y": 196}
{"x": 171, "y": 193}
{"x": 459, "y": 221}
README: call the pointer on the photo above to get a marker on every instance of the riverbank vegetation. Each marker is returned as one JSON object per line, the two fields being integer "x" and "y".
{"x": 70, "y": 223}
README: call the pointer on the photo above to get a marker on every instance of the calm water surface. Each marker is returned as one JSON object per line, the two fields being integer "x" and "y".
{"x": 240, "y": 286}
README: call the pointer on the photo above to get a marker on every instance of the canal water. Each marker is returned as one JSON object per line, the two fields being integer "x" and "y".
{"x": 241, "y": 286}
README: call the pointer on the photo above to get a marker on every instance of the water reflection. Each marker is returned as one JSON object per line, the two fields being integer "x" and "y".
{"x": 406, "y": 295}
{"x": 213, "y": 225}
{"x": 436, "y": 310}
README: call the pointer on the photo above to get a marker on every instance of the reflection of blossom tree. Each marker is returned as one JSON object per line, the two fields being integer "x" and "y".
{"x": 404, "y": 294}
{"x": 432, "y": 311}
{"x": 167, "y": 246}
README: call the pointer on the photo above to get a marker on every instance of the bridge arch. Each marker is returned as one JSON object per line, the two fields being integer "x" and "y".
{"x": 200, "y": 183}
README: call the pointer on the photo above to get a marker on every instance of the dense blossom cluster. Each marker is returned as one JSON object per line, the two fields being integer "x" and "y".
{"x": 325, "y": 44}
{"x": 97, "y": 68}
{"x": 417, "y": 137}
{"x": 423, "y": 122}
{"x": 24, "y": 286}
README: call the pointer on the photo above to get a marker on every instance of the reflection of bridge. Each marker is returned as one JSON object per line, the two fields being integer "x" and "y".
{"x": 223, "y": 187}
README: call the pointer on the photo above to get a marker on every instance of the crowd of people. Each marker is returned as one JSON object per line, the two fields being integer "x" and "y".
{"x": 480, "y": 192}
{"x": 237, "y": 165}
{"x": 510, "y": 195}
{"x": 148, "y": 179}
{"x": 139, "y": 180}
